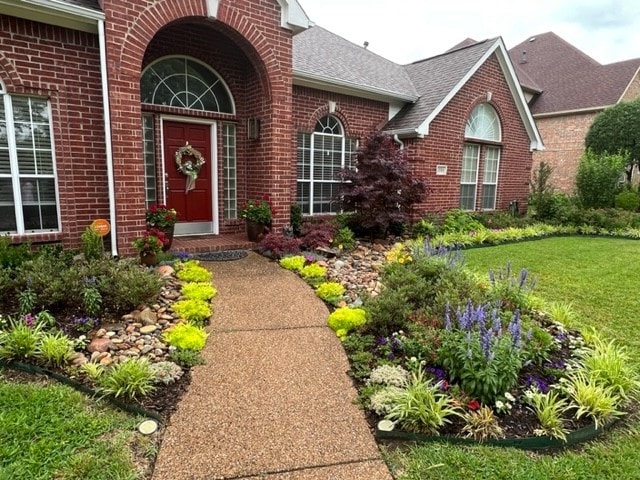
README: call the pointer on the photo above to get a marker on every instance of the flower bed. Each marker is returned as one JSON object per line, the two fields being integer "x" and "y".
{"x": 443, "y": 353}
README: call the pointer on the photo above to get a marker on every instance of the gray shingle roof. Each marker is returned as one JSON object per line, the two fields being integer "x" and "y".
{"x": 434, "y": 78}
{"x": 568, "y": 78}
{"x": 321, "y": 54}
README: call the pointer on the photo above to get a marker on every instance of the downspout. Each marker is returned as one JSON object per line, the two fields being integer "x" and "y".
{"x": 398, "y": 141}
{"x": 107, "y": 137}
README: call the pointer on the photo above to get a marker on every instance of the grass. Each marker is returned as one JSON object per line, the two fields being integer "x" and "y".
{"x": 53, "y": 432}
{"x": 599, "y": 277}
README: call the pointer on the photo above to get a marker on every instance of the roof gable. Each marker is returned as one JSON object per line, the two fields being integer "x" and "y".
{"x": 569, "y": 79}
{"x": 322, "y": 59}
{"x": 439, "y": 79}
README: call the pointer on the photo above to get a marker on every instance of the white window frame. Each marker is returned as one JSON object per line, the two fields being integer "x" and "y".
{"x": 313, "y": 152}
{"x": 15, "y": 170}
{"x": 475, "y": 182}
{"x": 230, "y": 171}
{"x": 498, "y": 151}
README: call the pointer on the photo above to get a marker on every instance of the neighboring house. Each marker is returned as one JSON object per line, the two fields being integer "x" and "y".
{"x": 98, "y": 97}
{"x": 566, "y": 89}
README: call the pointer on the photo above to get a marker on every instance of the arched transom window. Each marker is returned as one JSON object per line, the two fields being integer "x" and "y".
{"x": 482, "y": 127}
{"x": 185, "y": 83}
{"x": 483, "y": 124}
{"x": 321, "y": 156}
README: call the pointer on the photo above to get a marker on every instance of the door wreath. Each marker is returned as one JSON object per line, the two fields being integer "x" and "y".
{"x": 189, "y": 162}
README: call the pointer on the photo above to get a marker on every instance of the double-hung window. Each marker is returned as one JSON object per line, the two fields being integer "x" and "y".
{"x": 321, "y": 156}
{"x": 481, "y": 153}
{"x": 28, "y": 198}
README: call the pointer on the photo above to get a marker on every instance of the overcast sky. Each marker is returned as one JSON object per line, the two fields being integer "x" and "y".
{"x": 408, "y": 30}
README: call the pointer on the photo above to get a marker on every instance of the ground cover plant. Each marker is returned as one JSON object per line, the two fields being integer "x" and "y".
{"x": 580, "y": 271}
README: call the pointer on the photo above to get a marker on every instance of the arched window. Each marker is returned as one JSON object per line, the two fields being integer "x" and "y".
{"x": 482, "y": 127}
{"x": 185, "y": 83}
{"x": 321, "y": 156}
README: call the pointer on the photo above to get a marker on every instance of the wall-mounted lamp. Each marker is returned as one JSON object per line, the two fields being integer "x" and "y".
{"x": 253, "y": 128}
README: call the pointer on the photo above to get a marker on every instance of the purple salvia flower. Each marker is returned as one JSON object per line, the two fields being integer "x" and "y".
{"x": 492, "y": 277}
{"x": 523, "y": 277}
{"x": 497, "y": 325}
{"x": 485, "y": 343}
{"x": 515, "y": 329}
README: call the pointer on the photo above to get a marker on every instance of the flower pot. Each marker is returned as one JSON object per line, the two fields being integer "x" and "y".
{"x": 254, "y": 230}
{"x": 149, "y": 258}
{"x": 168, "y": 237}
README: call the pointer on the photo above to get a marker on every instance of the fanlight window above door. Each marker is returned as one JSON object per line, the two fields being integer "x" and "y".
{"x": 185, "y": 83}
{"x": 483, "y": 124}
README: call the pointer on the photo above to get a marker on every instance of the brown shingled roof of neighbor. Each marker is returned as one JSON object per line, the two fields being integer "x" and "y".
{"x": 322, "y": 54}
{"x": 567, "y": 77}
{"x": 434, "y": 78}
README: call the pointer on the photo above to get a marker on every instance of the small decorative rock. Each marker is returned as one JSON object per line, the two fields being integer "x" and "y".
{"x": 79, "y": 359}
{"x": 148, "y": 317}
{"x": 148, "y": 329}
{"x": 99, "y": 345}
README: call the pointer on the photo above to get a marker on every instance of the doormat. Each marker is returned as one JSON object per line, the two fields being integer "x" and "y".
{"x": 220, "y": 256}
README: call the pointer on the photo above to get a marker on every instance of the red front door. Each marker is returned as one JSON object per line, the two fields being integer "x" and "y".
{"x": 196, "y": 204}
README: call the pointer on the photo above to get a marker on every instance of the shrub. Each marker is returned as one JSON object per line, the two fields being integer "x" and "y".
{"x": 198, "y": 291}
{"x": 609, "y": 364}
{"x": 54, "y": 349}
{"x": 191, "y": 271}
{"x": 388, "y": 312}
{"x": 628, "y": 200}
{"x": 424, "y": 228}
{"x": 422, "y": 407}
{"x": 344, "y": 319}
{"x": 295, "y": 218}
{"x": 344, "y": 239}
{"x": 317, "y": 233}
{"x": 294, "y": 263}
{"x": 382, "y": 400}
{"x": 196, "y": 311}
{"x": 277, "y": 245}
{"x": 19, "y": 341}
{"x": 541, "y": 196}
{"x": 166, "y": 372}
{"x": 382, "y": 190}
{"x": 130, "y": 379}
{"x": 331, "y": 292}
{"x": 187, "y": 357}
{"x": 92, "y": 370}
{"x": 549, "y": 408}
{"x": 186, "y": 336}
{"x": 13, "y": 256}
{"x": 592, "y": 398}
{"x": 459, "y": 221}
{"x": 481, "y": 425}
{"x": 92, "y": 244}
{"x": 313, "y": 271}
{"x": 389, "y": 376}
{"x": 598, "y": 179}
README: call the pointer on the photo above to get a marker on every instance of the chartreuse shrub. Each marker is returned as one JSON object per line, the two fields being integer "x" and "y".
{"x": 592, "y": 398}
{"x": 195, "y": 311}
{"x": 54, "y": 349}
{"x": 313, "y": 271}
{"x": 344, "y": 319}
{"x": 550, "y": 409}
{"x": 294, "y": 263}
{"x": 331, "y": 292}
{"x": 191, "y": 271}
{"x": 186, "y": 336}
{"x": 19, "y": 341}
{"x": 198, "y": 291}
{"x": 130, "y": 379}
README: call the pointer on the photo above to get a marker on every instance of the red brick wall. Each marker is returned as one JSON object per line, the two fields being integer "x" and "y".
{"x": 254, "y": 28}
{"x": 64, "y": 66}
{"x": 563, "y": 138}
{"x": 444, "y": 145}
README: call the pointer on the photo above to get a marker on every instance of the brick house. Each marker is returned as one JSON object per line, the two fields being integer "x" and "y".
{"x": 566, "y": 89}
{"x": 100, "y": 95}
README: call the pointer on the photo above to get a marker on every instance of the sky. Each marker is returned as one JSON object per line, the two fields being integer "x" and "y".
{"x": 408, "y": 30}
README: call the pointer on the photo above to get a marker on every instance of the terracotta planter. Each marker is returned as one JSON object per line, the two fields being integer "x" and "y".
{"x": 150, "y": 259}
{"x": 254, "y": 231}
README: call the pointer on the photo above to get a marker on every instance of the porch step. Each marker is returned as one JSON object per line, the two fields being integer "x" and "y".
{"x": 211, "y": 243}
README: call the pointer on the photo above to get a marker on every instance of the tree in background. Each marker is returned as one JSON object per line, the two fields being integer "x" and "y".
{"x": 381, "y": 191}
{"x": 598, "y": 179}
{"x": 616, "y": 130}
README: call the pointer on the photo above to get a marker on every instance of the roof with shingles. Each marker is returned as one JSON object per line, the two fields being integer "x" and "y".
{"x": 324, "y": 55}
{"x": 567, "y": 77}
{"x": 434, "y": 78}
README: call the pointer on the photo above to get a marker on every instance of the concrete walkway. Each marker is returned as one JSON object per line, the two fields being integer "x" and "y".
{"x": 273, "y": 400}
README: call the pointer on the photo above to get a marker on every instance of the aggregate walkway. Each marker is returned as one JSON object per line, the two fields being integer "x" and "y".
{"x": 273, "y": 401}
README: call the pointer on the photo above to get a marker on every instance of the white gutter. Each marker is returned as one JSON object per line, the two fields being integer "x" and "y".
{"x": 576, "y": 111}
{"x": 398, "y": 141}
{"x": 107, "y": 137}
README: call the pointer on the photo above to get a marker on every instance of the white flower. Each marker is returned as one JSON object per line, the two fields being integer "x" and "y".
{"x": 499, "y": 405}
{"x": 509, "y": 397}
{"x": 413, "y": 359}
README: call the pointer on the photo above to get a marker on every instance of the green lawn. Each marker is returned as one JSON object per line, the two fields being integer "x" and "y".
{"x": 599, "y": 276}
{"x": 53, "y": 432}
